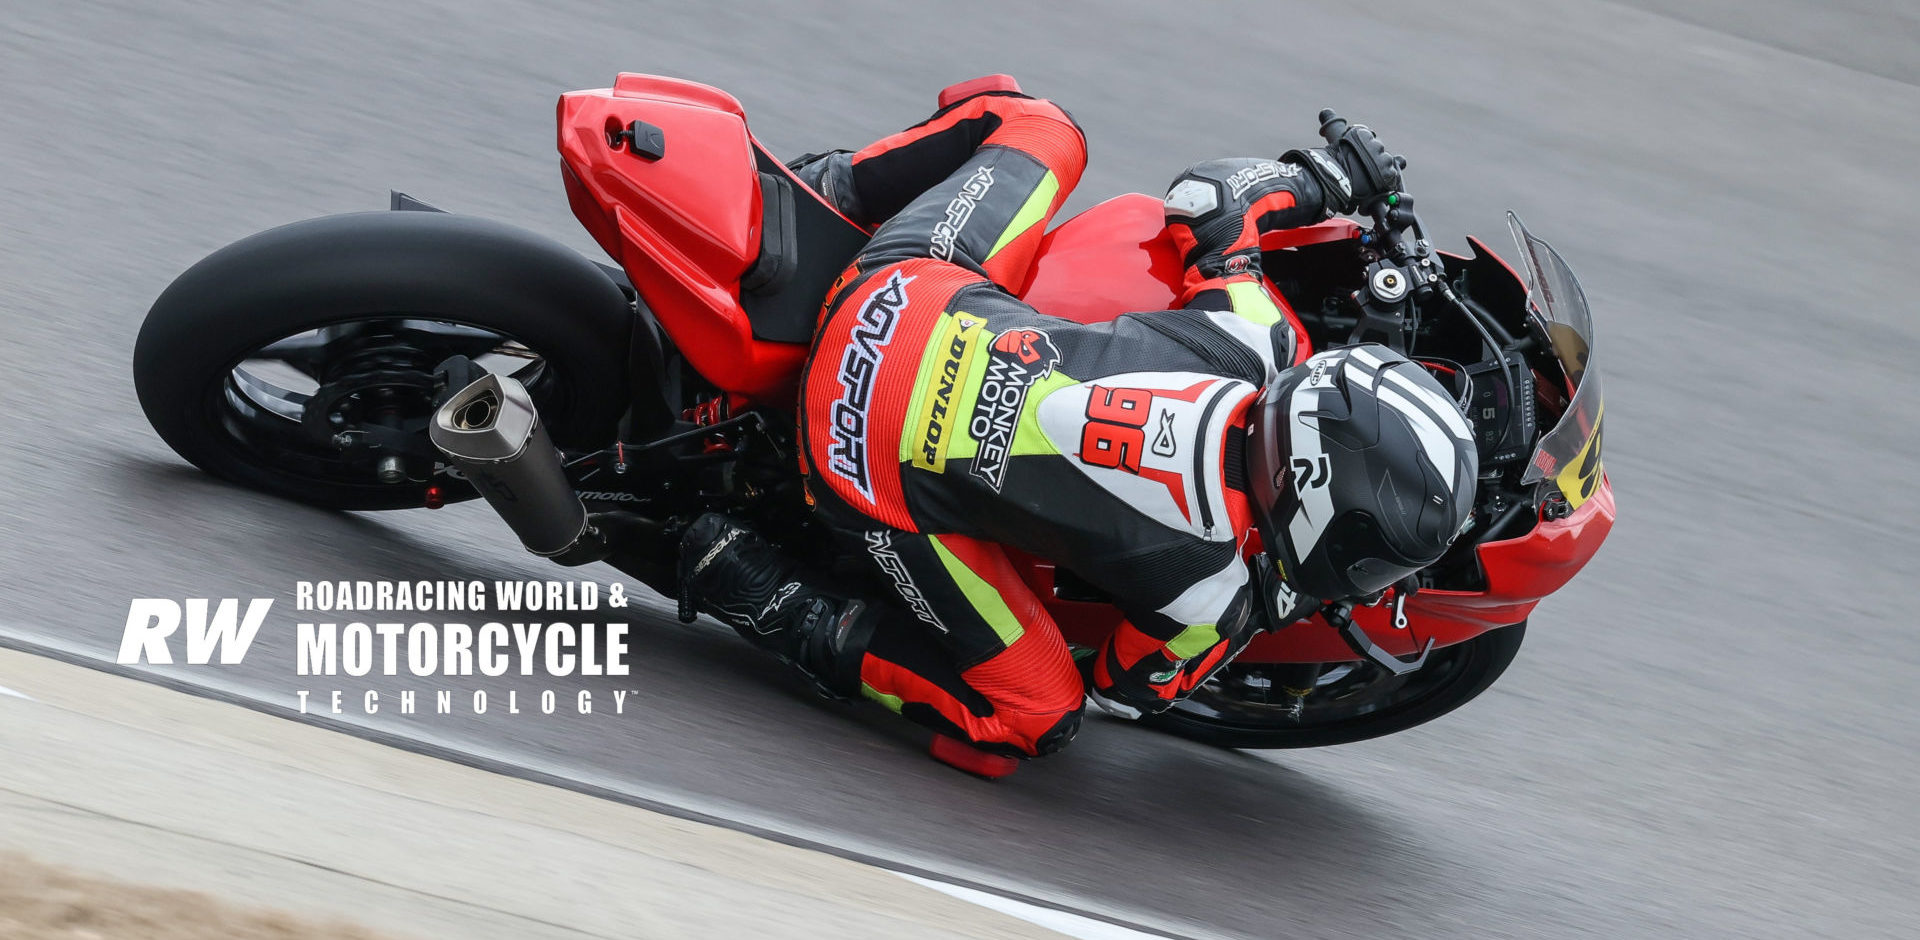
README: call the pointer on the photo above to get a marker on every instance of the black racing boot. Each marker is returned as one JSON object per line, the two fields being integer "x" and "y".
{"x": 731, "y": 572}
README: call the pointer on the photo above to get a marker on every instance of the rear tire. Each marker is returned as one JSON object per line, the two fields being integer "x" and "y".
{"x": 1452, "y": 677}
{"x": 369, "y": 267}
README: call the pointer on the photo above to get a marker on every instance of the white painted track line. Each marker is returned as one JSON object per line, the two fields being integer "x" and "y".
{"x": 1058, "y": 921}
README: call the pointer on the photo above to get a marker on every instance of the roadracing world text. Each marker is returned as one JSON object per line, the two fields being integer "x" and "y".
{"x": 492, "y": 642}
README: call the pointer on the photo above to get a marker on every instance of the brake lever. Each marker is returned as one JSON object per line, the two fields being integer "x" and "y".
{"x": 1340, "y": 618}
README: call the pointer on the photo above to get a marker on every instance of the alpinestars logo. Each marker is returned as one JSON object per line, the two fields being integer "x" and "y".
{"x": 785, "y": 594}
{"x": 947, "y": 230}
{"x": 859, "y": 364}
{"x": 1017, "y": 359}
{"x": 880, "y": 543}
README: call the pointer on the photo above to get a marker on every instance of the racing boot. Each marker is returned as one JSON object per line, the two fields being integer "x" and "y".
{"x": 731, "y": 572}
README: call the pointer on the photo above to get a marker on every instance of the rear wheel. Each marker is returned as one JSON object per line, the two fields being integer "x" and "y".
{"x": 1242, "y": 705}
{"x": 301, "y": 361}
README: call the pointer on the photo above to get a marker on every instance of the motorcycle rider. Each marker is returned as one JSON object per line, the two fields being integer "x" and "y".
{"x": 943, "y": 419}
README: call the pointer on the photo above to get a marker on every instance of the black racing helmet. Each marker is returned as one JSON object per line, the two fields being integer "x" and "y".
{"x": 1361, "y": 470}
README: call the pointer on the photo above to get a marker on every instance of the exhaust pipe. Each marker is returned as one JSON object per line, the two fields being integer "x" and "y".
{"x": 491, "y": 431}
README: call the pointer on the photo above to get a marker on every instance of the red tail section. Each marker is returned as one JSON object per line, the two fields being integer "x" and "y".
{"x": 685, "y": 224}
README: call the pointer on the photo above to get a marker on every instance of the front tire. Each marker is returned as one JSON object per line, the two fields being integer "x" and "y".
{"x": 1216, "y": 714}
{"x": 404, "y": 272}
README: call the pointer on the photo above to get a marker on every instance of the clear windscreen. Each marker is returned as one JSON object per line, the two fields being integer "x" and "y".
{"x": 1569, "y": 454}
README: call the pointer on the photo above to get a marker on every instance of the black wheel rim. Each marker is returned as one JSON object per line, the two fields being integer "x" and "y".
{"x": 341, "y": 403}
{"x": 1250, "y": 696}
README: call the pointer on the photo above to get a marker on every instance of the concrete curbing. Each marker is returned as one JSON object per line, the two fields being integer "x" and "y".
{"x": 146, "y": 785}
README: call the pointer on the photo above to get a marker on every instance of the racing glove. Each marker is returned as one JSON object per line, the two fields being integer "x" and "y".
{"x": 1351, "y": 170}
{"x": 1135, "y": 671}
{"x": 1217, "y": 210}
{"x": 1139, "y": 670}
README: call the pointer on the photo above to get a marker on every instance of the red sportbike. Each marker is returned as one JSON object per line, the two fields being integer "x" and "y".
{"x": 410, "y": 358}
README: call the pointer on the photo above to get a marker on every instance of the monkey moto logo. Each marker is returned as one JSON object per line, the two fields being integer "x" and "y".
{"x": 1017, "y": 359}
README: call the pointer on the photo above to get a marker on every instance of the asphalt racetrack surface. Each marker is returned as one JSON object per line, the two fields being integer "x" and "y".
{"x": 1710, "y": 733}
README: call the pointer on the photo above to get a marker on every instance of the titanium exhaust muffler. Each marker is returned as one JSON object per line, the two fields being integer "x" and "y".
{"x": 491, "y": 431}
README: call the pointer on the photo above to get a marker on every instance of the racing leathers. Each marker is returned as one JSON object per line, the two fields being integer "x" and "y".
{"x": 946, "y": 422}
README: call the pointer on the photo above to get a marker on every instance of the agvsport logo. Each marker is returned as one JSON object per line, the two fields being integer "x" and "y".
{"x": 859, "y": 366}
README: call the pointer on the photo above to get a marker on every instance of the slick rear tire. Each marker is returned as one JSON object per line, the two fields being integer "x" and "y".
{"x": 378, "y": 266}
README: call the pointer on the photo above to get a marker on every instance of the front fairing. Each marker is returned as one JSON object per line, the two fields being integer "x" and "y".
{"x": 1116, "y": 258}
{"x": 1567, "y": 457}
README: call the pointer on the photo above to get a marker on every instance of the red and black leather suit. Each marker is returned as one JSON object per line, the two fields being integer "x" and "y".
{"x": 943, "y": 419}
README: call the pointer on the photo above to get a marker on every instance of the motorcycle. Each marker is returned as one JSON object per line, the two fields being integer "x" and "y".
{"x": 413, "y": 358}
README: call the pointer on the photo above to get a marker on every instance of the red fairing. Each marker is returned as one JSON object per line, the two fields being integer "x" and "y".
{"x": 1110, "y": 259}
{"x": 1117, "y": 257}
{"x": 685, "y": 226}
{"x": 1519, "y": 573}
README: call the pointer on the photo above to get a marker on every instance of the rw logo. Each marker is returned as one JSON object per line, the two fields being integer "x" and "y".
{"x": 151, "y": 620}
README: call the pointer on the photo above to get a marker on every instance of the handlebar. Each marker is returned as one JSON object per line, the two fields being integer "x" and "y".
{"x": 1406, "y": 276}
{"x": 1332, "y": 126}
